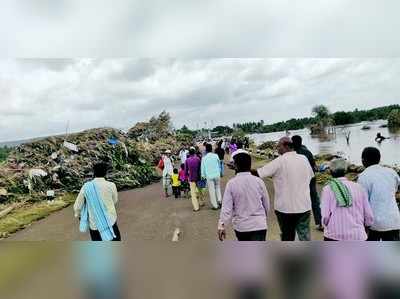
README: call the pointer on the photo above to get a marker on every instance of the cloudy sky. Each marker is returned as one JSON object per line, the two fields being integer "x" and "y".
{"x": 193, "y": 29}
{"x": 39, "y": 96}
{"x": 191, "y": 72}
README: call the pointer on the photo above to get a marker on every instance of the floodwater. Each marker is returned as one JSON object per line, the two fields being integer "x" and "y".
{"x": 336, "y": 143}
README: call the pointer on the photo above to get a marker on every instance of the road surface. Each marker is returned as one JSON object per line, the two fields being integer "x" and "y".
{"x": 144, "y": 214}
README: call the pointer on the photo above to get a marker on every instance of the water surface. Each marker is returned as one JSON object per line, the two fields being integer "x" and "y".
{"x": 359, "y": 139}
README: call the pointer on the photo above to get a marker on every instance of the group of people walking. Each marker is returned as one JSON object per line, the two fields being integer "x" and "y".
{"x": 200, "y": 168}
{"x": 362, "y": 210}
{"x": 359, "y": 211}
{"x": 205, "y": 170}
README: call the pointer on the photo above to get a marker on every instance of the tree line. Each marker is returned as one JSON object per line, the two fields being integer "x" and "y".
{"x": 320, "y": 114}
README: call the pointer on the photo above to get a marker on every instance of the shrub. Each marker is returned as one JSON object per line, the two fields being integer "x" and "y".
{"x": 394, "y": 118}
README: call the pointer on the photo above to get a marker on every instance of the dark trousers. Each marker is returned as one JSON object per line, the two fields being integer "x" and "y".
{"x": 328, "y": 239}
{"x": 95, "y": 234}
{"x": 176, "y": 191}
{"x": 292, "y": 223}
{"x": 316, "y": 208}
{"x": 260, "y": 235}
{"x": 392, "y": 235}
{"x": 250, "y": 291}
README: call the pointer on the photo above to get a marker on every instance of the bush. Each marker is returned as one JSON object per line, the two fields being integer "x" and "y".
{"x": 394, "y": 118}
{"x": 4, "y": 152}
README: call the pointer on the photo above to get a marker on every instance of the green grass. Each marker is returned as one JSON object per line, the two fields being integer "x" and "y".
{"x": 31, "y": 212}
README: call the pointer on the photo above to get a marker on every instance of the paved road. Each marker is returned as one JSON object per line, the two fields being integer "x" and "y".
{"x": 145, "y": 215}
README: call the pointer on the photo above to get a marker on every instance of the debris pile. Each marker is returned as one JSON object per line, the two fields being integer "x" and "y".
{"x": 152, "y": 151}
{"x": 156, "y": 136}
{"x": 268, "y": 145}
{"x": 64, "y": 163}
{"x": 268, "y": 149}
{"x": 155, "y": 129}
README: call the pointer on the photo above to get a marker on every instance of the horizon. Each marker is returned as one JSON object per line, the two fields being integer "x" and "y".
{"x": 5, "y": 142}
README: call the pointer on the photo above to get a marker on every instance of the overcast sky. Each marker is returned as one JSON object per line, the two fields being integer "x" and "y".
{"x": 193, "y": 29}
{"x": 39, "y": 96}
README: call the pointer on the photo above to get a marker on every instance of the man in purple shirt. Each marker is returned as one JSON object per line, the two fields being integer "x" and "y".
{"x": 345, "y": 207}
{"x": 245, "y": 202}
{"x": 192, "y": 168}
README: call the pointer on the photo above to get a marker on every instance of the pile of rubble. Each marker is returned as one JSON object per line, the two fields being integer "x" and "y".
{"x": 155, "y": 129}
{"x": 64, "y": 163}
{"x": 268, "y": 145}
{"x": 266, "y": 150}
{"x": 153, "y": 150}
{"x": 156, "y": 136}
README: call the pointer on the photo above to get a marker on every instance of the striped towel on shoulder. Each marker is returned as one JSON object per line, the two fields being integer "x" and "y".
{"x": 94, "y": 204}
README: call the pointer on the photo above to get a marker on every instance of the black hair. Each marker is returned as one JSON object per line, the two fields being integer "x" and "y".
{"x": 338, "y": 173}
{"x": 239, "y": 145}
{"x": 205, "y": 143}
{"x": 175, "y": 170}
{"x": 208, "y": 148}
{"x": 100, "y": 169}
{"x": 182, "y": 166}
{"x": 297, "y": 141}
{"x": 371, "y": 156}
{"x": 242, "y": 162}
{"x": 289, "y": 144}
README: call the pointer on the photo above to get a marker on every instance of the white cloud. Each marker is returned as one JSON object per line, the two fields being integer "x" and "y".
{"x": 39, "y": 97}
{"x": 199, "y": 29}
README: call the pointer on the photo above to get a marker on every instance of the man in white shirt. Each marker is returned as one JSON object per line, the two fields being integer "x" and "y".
{"x": 183, "y": 155}
{"x": 381, "y": 184}
{"x": 109, "y": 195}
{"x": 167, "y": 173}
{"x": 291, "y": 174}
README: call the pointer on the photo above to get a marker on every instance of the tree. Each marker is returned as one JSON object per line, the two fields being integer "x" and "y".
{"x": 321, "y": 112}
{"x": 394, "y": 118}
{"x": 185, "y": 130}
{"x": 223, "y": 130}
{"x": 185, "y": 135}
{"x": 239, "y": 134}
{"x": 323, "y": 119}
{"x": 343, "y": 118}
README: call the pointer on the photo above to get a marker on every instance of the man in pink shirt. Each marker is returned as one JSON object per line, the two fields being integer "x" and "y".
{"x": 291, "y": 174}
{"x": 245, "y": 202}
{"x": 345, "y": 208}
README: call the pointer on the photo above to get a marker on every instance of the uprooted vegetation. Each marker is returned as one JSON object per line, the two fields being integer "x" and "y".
{"x": 267, "y": 150}
{"x": 57, "y": 167}
{"x": 63, "y": 163}
{"x": 52, "y": 164}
